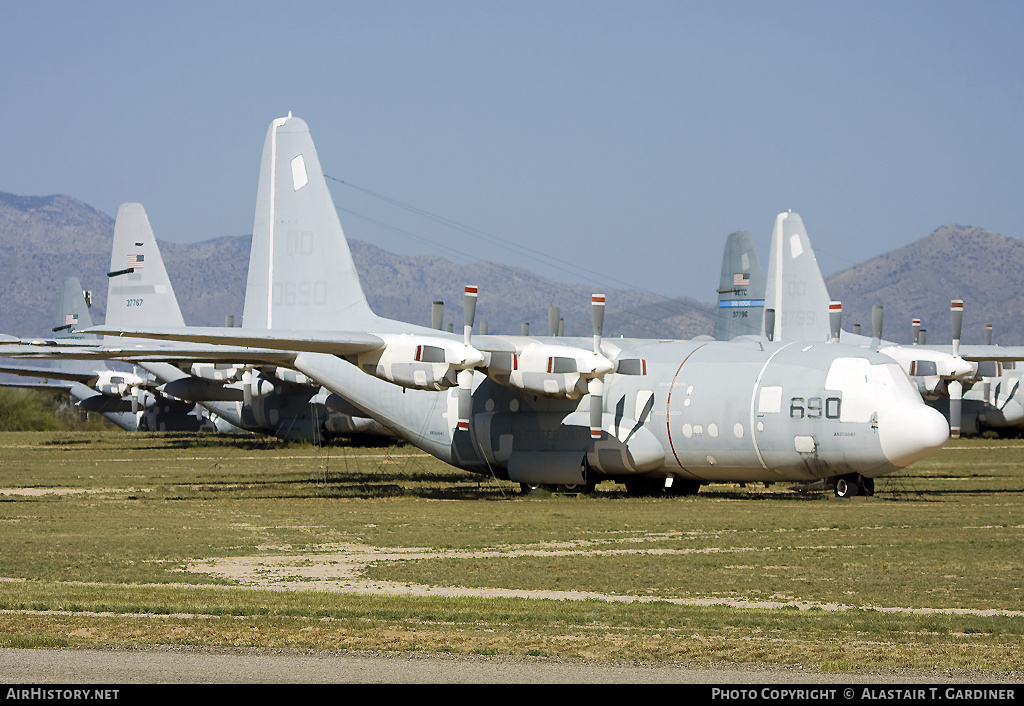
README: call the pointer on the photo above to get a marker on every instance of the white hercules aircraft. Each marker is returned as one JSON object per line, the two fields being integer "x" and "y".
{"x": 653, "y": 414}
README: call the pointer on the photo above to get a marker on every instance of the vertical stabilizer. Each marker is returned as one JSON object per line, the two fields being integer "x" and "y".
{"x": 795, "y": 288}
{"x": 72, "y": 315}
{"x": 740, "y": 290}
{"x": 139, "y": 292}
{"x": 70, "y": 318}
{"x": 301, "y": 273}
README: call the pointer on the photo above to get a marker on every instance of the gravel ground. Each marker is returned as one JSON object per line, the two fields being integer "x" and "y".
{"x": 198, "y": 665}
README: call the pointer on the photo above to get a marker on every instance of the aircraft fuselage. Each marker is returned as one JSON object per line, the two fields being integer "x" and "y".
{"x": 747, "y": 410}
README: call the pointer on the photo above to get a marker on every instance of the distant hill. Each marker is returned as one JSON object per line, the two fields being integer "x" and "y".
{"x": 919, "y": 280}
{"x": 44, "y": 239}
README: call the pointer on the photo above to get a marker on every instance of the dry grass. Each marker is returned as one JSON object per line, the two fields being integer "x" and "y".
{"x": 132, "y": 556}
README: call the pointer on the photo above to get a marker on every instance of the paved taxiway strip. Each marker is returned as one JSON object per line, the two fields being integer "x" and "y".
{"x": 197, "y": 665}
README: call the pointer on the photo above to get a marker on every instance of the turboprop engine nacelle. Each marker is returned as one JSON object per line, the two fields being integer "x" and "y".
{"x": 549, "y": 370}
{"x": 117, "y": 384}
{"x": 217, "y": 372}
{"x": 419, "y": 362}
{"x": 253, "y": 386}
{"x": 292, "y": 376}
{"x": 930, "y": 370}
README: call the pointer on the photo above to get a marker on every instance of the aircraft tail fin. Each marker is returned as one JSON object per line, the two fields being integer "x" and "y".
{"x": 70, "y": 318}
{"x": 740, "y": 290}
{"x": 72, "y": 315}
{"x": 301, "y": 273}
{"x": 139, "y": 292}
{"x": 795, "y": 289}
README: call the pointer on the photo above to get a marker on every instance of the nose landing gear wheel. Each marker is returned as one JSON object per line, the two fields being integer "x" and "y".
{"x": 854, "y": 484}
{"x": 847, "y": 486}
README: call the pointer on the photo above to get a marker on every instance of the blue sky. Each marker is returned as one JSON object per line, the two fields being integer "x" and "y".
{"x": 611, "y": 142}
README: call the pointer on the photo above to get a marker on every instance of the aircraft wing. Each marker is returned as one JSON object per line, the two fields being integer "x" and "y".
{"x": 984, "y": 352}
{"x": 155, "y": 352}
{"x": 44, "y": 386}
{"x": 38, "y": 371}
{"x": 247, "y": 342}
{"x": 36, "y": 341}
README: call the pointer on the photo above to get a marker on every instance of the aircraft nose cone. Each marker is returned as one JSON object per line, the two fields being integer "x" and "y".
{"x": 911, "y": 432}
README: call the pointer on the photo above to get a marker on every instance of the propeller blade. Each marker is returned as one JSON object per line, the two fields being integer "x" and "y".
{"x": 469, "y": 312}
{"x": 437, "y": 315}
{"x": 835, "y": 319}
{"x": 465, "y": 398}
{"x": 553, "y": 317}
{"x": 1013, "y": 391}
{"x": 988, "y": 334}
{"x": 956, "y": 392}
{"x": 247, "y": 387}
{"x": 134, "y": 391}
{"x": 597, "y": 318}
{"x": 465, "y": 377}
{"x": 915, "y": 331}
{"x": 769, "y": 324}
{"x": 956, "y": 315}
{"x": 596, "y": 389}
{"x": 876, "y": 324}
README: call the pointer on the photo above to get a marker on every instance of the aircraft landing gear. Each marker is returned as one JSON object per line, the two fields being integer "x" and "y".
{"x": 574, "y": 488}
{"x": 644, "y": 487}
{"x": 681, "y": 486}
{"x": 854, "y": 484}
{"x": 534, "y": 488}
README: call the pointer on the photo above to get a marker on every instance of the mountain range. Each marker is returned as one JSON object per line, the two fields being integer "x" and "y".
{"x": 44, "y": 239}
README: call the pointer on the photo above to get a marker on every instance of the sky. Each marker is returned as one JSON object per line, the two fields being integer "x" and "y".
{"x": 612, "y": 143}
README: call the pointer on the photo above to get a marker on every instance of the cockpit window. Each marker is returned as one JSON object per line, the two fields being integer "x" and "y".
{"x": 867, "y": 387}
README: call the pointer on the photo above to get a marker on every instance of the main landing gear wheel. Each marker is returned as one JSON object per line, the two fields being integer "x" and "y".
{"x": 644, "y": 487}
{"x": 683, "y": 487}
{"x": 534, "y": 488}
{"x": 575, "y": 488}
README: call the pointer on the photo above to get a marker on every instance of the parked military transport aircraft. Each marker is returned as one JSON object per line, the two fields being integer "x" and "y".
{"x": 568, "y": 412}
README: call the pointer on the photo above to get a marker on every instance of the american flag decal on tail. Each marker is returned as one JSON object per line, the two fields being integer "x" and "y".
{"x": 136, "y": 261}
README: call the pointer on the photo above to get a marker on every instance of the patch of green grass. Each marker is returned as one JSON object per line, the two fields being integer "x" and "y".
{"x": 33, "y": 641}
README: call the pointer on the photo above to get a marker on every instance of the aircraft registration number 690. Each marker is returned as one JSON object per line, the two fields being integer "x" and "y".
{"x": 813, "y": 407}
{"x": 134, "y": 302}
